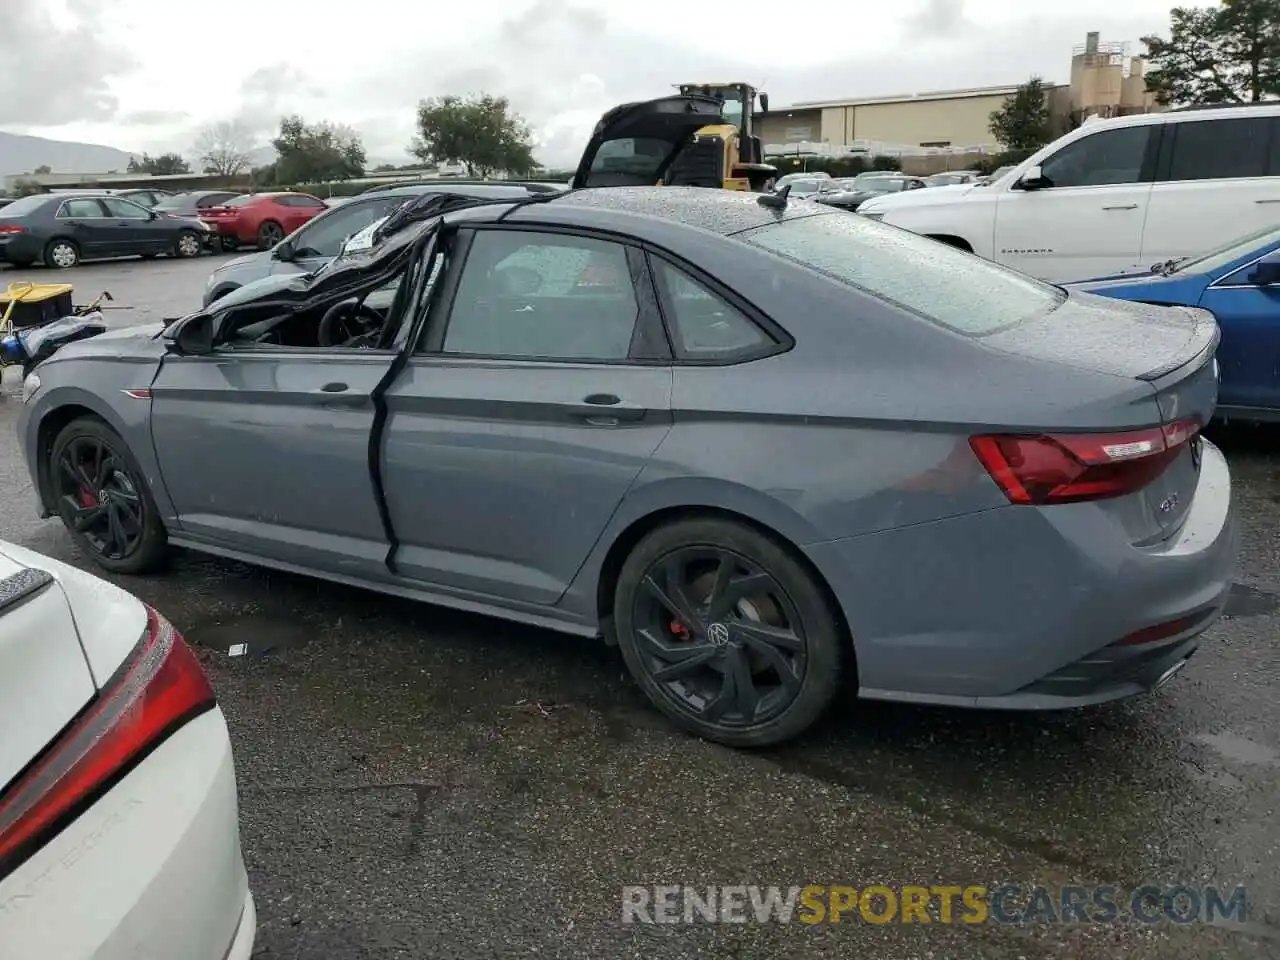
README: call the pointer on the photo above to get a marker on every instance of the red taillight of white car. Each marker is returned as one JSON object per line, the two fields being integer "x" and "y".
{"x": 160, "y": 688}
{"x": 1071, "y": 467}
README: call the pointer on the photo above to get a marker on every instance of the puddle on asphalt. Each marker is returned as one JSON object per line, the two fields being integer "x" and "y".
{"x": 1241, "y": 749}
{"x": 250, "y": 636}
{"x": 1245, "y": 601}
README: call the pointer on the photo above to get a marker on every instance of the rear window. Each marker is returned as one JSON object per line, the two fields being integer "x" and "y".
{"x": 24, "y": 205}
{"x": 944, "y": 285}
{"x": 241, "y": 200}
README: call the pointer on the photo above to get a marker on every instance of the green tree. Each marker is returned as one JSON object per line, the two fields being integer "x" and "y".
{"x": 480, "y": 132}
{"x": 311, "y": 153}
{"x": 1023, "y": 122}
{"x": 164, "y": 165}
{"x": 1229, "y": 53}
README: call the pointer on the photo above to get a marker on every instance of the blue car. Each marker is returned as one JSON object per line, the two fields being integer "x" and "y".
{"x": 1240, "y": 284}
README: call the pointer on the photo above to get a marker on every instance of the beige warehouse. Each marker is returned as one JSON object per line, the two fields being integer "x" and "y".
{"x": 1104, "y": 80}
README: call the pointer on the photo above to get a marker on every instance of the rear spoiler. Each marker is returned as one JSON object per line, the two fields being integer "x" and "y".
{"x": 1202, "y": 342}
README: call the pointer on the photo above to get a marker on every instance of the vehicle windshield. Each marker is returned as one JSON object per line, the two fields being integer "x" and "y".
{"x": 946, "y": 286}
{"x": 1220, "y": 257}
{"x": 23, "y": 205}
{"x": 883, "y": 184}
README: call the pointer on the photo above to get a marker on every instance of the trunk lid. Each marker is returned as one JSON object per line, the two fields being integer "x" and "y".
{"x": 45, "y": 680}
{"x": 634, "y": 144}
{"x": 1168, "y": 348}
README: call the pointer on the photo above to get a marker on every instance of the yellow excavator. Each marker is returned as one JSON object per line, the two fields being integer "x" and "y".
{"x": 729, "y": 151}
{"x": 701, "y": 137}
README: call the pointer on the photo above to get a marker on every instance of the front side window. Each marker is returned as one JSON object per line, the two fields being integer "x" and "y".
{"x": 1218, "y": 149}
{"x": 125, "y": 209}
{"x": 81, "y": 210}
{"x": 1103, "y": 158}
{"x": 525, "y": 294}
{"x": 944, "y": 285}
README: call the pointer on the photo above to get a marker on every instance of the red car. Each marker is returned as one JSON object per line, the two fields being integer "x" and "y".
{"x": 262, "y": 219}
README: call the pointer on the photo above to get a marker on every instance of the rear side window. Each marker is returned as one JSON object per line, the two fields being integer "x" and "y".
{"x": 1218, "y": 149}
{"x": 944, "y": 285}
{"x": 217, "y": 199}
{"x": 81, "y": 210}
{"x": 703, "y": 325}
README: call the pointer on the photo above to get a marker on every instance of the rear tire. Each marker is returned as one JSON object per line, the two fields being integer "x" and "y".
{"x": 748, "y": 610}
{"x": 61, "y": 254}
{"x": 269, "y": 234}
{"x": 101, "y": 495}
{"x": 188, "y": 245}
{"x": 229, "y": 244}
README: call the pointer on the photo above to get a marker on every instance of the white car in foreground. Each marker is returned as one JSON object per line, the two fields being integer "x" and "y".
{"x": 119, "y": 830}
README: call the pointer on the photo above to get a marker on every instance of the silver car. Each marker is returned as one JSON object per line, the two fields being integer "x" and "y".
{"x": 319, "y": 240}
{"x": 772, "y": 451}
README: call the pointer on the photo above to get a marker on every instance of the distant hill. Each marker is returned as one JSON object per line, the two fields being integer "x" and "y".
{"x": 22, "y": 154}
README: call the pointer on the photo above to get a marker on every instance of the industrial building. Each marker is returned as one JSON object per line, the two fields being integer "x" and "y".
{"x": 1104, "y": 80}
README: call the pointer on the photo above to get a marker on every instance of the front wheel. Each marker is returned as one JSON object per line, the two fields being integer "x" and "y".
{"x": 102, "y": 497}
{"x": 727, "y": 633}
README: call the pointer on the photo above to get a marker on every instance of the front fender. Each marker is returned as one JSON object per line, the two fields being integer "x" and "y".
{"x": 55, "y": 405}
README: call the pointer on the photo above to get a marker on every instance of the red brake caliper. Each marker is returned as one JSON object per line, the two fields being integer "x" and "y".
{"x": 680, "y": 630}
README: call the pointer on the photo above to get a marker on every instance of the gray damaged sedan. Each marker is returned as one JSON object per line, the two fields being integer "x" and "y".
{"x": 772, "y": 451}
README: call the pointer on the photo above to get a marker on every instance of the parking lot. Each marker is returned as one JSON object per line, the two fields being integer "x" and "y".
{"x": 422, "y": 783}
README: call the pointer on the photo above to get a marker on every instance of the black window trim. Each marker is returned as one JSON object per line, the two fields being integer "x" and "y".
{"x": 647, "y": 315}
{"x": 777, "y": 340}
{"x": 1164, "y": 164}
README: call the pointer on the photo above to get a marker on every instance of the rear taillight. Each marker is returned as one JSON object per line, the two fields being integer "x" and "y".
{"x": 9, "y": 230}
{"x": 159, "y": 689}
{"x": 1070, "y": 467}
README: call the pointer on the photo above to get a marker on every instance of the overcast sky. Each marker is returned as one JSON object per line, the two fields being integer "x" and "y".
{"x": 146, "y": 74}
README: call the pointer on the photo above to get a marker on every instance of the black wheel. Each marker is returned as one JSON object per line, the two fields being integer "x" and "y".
{"x": 727, "y": 633}
{"x": 103, "y": 498}
{"x": 229, "y": 244}
{"x": 61, "y": 254}
{"x": 188, "y": 245}
{"x": 269, "y": 234}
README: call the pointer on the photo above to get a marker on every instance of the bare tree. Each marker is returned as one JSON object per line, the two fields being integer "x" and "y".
{"x": 223, "y": 148}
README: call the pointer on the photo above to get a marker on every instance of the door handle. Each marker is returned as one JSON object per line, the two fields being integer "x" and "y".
{"x": 606, "y": 410}
{"x": 1122, "y": 206}
{"x": 334, "y": 387}
{"x": 1269, "y": 200}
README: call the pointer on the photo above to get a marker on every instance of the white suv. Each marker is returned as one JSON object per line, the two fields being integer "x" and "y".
{"x": 1113, "y": 194}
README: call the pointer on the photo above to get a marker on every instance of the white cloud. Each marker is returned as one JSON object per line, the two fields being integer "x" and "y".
{"x": 145, "y": 79}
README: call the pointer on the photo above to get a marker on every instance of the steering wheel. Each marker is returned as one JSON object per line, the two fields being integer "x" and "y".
{"x": 347, "y": 321}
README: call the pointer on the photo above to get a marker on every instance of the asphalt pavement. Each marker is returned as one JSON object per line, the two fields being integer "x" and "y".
{"x": 421, "y": 783}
